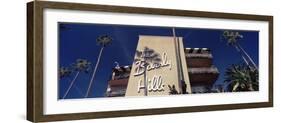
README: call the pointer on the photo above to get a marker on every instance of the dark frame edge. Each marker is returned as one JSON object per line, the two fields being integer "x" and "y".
{"x": 34, "y": 62}
{"x": 271, "y": 54}
{"x": 142, "y": 112}
{"x": 152, "y": 11}
{"x": 30, "y": 40}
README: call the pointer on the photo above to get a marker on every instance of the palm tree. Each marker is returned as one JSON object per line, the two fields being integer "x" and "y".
{"x": 147, "y": 56}
{"x": 64, "y": 72}
{"x": 218, "y": 88}
{"x": 173, "y": 90}
{"x": 103, "y": 41}
{"x": 81, "y": 65}
{"x": 241, "y": 78}
{"x": 232, "y": 40}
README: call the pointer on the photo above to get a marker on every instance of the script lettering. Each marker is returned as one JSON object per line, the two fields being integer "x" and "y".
{"x": 154, "y": 84}
{"x": 140, "y": 65}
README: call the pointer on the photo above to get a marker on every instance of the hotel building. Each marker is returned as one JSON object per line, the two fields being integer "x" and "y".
{"x": 117, "y": 85}
{"x": 202, "y": 73}
{"x": 181, "y": 70}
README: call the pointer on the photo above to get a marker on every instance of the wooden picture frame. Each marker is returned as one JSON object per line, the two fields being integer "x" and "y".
{"x": 35, "y": 60}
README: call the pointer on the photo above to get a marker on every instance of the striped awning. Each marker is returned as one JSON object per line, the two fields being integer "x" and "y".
{"x": 197, "y": 50}
{"x": 122, "y": 69}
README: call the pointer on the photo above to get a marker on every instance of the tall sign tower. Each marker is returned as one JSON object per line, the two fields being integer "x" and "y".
{"x": 159, "y": 67}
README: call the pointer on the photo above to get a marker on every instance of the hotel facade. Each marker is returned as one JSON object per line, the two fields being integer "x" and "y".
{"x": 162, "y": 66}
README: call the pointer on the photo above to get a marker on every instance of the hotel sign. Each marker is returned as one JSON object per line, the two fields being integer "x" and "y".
{"x": 156, "y": 69}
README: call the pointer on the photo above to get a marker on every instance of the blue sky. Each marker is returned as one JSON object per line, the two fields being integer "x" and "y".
{"x": 77, "y": 40}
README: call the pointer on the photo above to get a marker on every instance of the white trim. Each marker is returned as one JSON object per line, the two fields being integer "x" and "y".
{"x": 53, "y": 106}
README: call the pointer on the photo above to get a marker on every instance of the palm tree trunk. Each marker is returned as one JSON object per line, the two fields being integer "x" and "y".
{"x": 94, "y": 73}
{"x": 251, "y": 88}
{"x": 76, "y": 88}
{"x": 251, "y": 60}
{"x": 71, "y": 84}
{"x": 239, "y": 50}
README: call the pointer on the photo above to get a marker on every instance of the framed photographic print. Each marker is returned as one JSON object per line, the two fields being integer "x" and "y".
{"x": 95, "y": 61}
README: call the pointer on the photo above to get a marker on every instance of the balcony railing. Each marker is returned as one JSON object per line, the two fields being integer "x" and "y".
{"x": 199, "y": 55}
{"x": 212, "y": 70}
{"x": 116, "y": 93}
{"x": 123, "y": 76}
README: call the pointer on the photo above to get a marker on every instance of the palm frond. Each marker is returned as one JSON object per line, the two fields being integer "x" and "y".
{"x": 243, "y": 76}
{"x": 104, "y": 40}
{"x": 64, "y": 72}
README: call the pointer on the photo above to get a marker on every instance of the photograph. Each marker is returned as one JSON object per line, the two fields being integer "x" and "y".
{"x": 110, "y": 60}
{"x": 89, "y": 61}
